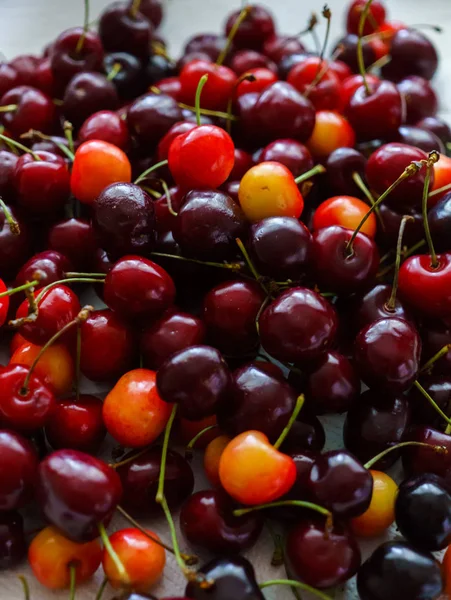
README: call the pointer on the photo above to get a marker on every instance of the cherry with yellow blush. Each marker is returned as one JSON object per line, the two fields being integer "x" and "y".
{"x": 346, "y": 211}
{"x": 331, "y": 131}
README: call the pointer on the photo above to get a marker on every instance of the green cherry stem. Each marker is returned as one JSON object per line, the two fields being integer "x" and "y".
{"x": 405, "y": 254}
{"x": 322, "y": 69}
{"x": 134, "y": 9}
{"x": 33, "y": 133}
{"x": 236, "y": 267}
{"x": 168, "y": 197}
{"x": 101, "y": 589}
{"x": 434, "y": 156}
{"x": 20, "y": 288}
{"x": 368, "y": 195}
{"x": 240, "y": 512}
{"x": 251, "y": 266}
{"x": 391, "y": 303}
{"x": 164, "y": 453}
{"x": 241, "y": 17}
{"x": 67, "y": 280}
{"x": 73, "y": 274}
{"x": 315, "y": 171}
{"x": 200, "y": 86}
{"x": 19, "y": 146}
{"x": 68, "y": 129}
{"x": 375, "y": 459}
{"x": 8, "y": 108}
{"x": 360, "y": 58}
{"x": 295, "y": 584}
{"x": 437, "y": 356}
{"x": 151, "y": 169}
{"x": 81, "y": 39}
{"x": 297, "y": 409}
{"x": 25, "y": 586}
{"x": 115, "y": 69}
{"x": 189, "y": 574}
{"x": 379, "y": 63}
{"x": 190, "y": 446}
{"x": 432, "y": 402}
{"x": 445, "y": 188}
{"x": 112, "y": 553}
{"x": 73, "y": 581}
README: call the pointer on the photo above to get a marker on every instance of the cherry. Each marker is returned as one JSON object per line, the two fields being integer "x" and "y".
{"x": 212, "y": 458}
{"x": 208, "y": 224}
{"x": 177, "y": 129}
{"x": 411, "y": 54}
{"x": 298, "y": 326}
{"x": 128, "y": 80}
{"x": 211, "y": 44}
{"x": 418, "y": 460}
{"x": 346, "y": 211}
{"x": 324, "y": 93}
{"x": 397, "y": 569}
{"x": 442, "y": 177}
{"x": 123, "y": 31}
{"x": 97, "y": 164}
{"x": 34, "y": 110}
{"x": 151, "y": 116}
{"x": 331, "y": 131}
{"x": 207, "y": 521}
{"x": 140, "y": 476}
{"x": 133, "y": 412}
{"x": 420, "y": 98}
{"x": 159, "y": 67}
{"x": 18, "y": 468}
{"x": 346, "y": 51}
{"x": 288, "y": 60}
{"x": 9, "y": 78}
{"x": 77, "y": 492}
{"x": 257, "y": 400}
{"x": 421, "y": 138}
{"x": 341, "y": 166}
{"x": 254, "y": 30}
{"x": 76, "y": 424}
{"x": 75, "y": 239}
{"x": 67, "y": 58}
{"x": 391, "y": 219}
{"x": 375, "y": 17}
{"x": 338, "y": 269}
{"x": 436, "y": 126}
{"x": 374, "y": 424}
{"x": 52, "y": 558}
{"x": 218, "y": 89}
{"x": 439, "y": 389}
{"x": 439, "y": 222}
{"x": 14, "y": 249}
{"x": 241, "y": 62}
{"x": 8, "y": 162}
{"x": 319, "y": 557}
{"x": 13, "y": 547}
{"x": 294, "y": 155}
{"x": 381, "y": 511}
{"x": 435, "y": 335}
{"x": 49, "y": 266}
{"x": 153, "y": 10}
{"x": 242, "y": 163}
{"x": 306, "y": 434}
{"x": 256, "y": 80}
{"x": 85, "y": 94}
{"x": 352, "y": 83}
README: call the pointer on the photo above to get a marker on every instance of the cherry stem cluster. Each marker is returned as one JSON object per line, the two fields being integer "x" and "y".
{"x": 19, "y": 146}
{"x": 33, "y": 133}
{"x": 154, "y": 167}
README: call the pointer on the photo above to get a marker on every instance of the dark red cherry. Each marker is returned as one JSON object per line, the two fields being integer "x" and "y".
{"x": 243, "y": 162}
{"x": 243, "y": 60}
{"x": 140, "y": 482}
{"x": 278, "y": 47}
{"x": 18, "y": 470}
{"x": 420, "y": 98}
{"x": 420, "y": 138}
{"x": 256, "y": 400}
{"x": 294, "y": 155}
{"x": 392, "y": 218}
{"x": 77, "y": 492}
{"x": 319, "y": 557}
{"x": 339, "y": 269}
{"x": 151, "y": 116}
{"x": 9, "y": 78}
{"x": 387, "y": 354}
{"x": 8, "y": 162}
{"x": 288, "y": 61}
{"x": 411, "y": 53}
{"x": 107, "y": 126}
{"x": 439, "y": 218}
{"x": 13, "y": 546}
{"x": 207, "y": 522}
{"x": 209, "y": 43}
{"x": 87, "y": 93}
{"x": 77, "y": 424}
{"x": 107, "y": 346}
{"x": 373, "y": 305}
{"x": 159, "y": 67}
{"x": 435, "y": 335}
{"x": 374, "y": 424}
{"x": 208, "y": 224}
{"x": 439, "y": 389}
{"x": 341, "y": 165}
{"x": 25, "y": 66}
{"x": 256, "y": 28}
{"x": 298, "y": 326}
{"x": 153, "y": 10}
{"x": 50, "y": 266}
{"x": 437, "y": 126}
{"x": 35, "y": 110}
{"x": 14, "y": 249}
{"x": 375, "y": 17}
{"x": 306, "y": 434}
{"x": 121, "y": 31}
{"x": 75, "y": 239}
{"x": 129, "y": 80}
{"x": 417, "y": 460}
{"x": 346, "y": 51}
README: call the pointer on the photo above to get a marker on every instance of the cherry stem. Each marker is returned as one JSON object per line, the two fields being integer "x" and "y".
{"x": 33, "y": 133}
{"x": 122, "y": 572}
{"x": 295, "y": 584}
{"x": 360, "y": 58}
{"x": 25, "y": 586}
{"x": 77, "y": 363}
{"x": 8, "y": 108}
{"x": 116, "y": 68}
{"x": 263, "y": 305}
{"x": 68, "y": 129}
{"x": 231, "y": 266}
{"x": 165, "y": 187}
{"x": 164, "y": 453}
{"x": 322, "y": 68}
{"x": 203, "y": 111}
{"x": 251, "y": 266}
{"x": 241, "y": 17}
{"x": 448, "y": 429}
{"x": 80, "y": 318}
{"x": 134, "y": 9}
{"x": 67, "y": 280}
{"x": 391, "y": 303}
{"x": 379, "y": 63}
{"x": 154, "y": 167}
{"x": 431, "y": 401}
{"x": 73, "y": 581}
{"x": 445, "y": 188}
{"x": 375, "y": 459}
{"x": 357, "y": 178}
{"x": 200, "y": 86}
{"x": 405, "y": 254}
{"x": 410, "y": 170}
{"x": 434, "y": 156}
{"x": 317, "y": 170}
{"x": 297, "y": 409}
{"x": 277, "y": 559}
{"x": 189, "y": 559}
{"x": 190, "y": 446}
{"x": 240, "y": 512}
{"x": 74, "y": 274}
{"x": 437, "y": 356}
{"x": 102, "y": 588}
{"x": 130, "y": 459}
{"x": 244, "y": 77}
{"x": 81, "y": 39}
{"x": 20, "y": 146}
{"x": 20, "y": 288}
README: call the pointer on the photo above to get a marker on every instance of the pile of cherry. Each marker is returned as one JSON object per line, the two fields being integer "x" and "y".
{"x": 230, "y": 324}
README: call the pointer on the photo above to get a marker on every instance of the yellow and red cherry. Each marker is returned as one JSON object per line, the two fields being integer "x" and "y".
{"x": 346, "y": 211}
{"x": 212, "y": 458}
{"x": 381, "y": 512}
{"x": 331, "y": 131}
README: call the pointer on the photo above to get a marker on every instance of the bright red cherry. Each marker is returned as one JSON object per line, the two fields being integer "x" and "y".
{"x": 324, "y": 92}
{"x": 375, "y": 17}
{"x": 254, "y": 30}
{"x": 218, "y": 89}
{"x": 262, "y": 78}
{"x": 106, "y": 126}
{"x": 345, "y": 211}
{"x": 34, "y": 110}
{"x": 353, "y": 82}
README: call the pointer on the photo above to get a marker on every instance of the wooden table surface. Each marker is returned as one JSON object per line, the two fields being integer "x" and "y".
{"x": 27, "y": 25}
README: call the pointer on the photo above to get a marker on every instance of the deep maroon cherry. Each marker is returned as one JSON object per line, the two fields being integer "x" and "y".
{"x": 437, "y": 126}
{"x": 18, "y": 470}
{"x": 209, "y": 43}
{"x": 50, "y": 266}
{"x": 435, "y": 335}
{"x": 13, "y": 546}
{"x": 153, "y": 10}
{"x": 129, "y": 80}
{"x": 151, "y": 116}
{"x": 9, "y": 78}
{"x": 346, "y": 51}
{"x": 374, "y": 424}
{"x": 77, "y": 492}
{"x": 411, "y": 53}
{"x": 8, "y": 162}
{"x": 140, "y": 482}
{"x": 188, "y": 58}
{"x": 278, "y": 47}
{"x": 418, "y": 460}
{"x": 256, "y": 400}
{"x": 243, "y": 60}
{"x": 306, "y": 434}
{"x": 398, "y": 570}
{"x": 341, "y": 165}
{"x": 35, "y": 110}
{"x": 207, "y": 521}
{"x": 420, "y": 98}
{"x": 439, "y": 218}
{"x": 25, "y": 66}
{"x": 243, "y": 162}
{"x": 298, "y": 326}
{"x": 291, "y": 153}
{"x": 319, "y": 557}
{"x": 391, "y": 218}
{"x": 420, "y": 138}
{"x": 439, "y": 388}
{"x": 288, "y": 62}
{"x": 256, "y": 28}
{"x": 14, "y": 249}
{"x": 122, "y": 31}
{"x": 373, "y": 305}
{"x": 87, "y": 93}
{"x": 75, "y": 239}
{"x": 159, "y": 67}
{"x": 52, "y": 144}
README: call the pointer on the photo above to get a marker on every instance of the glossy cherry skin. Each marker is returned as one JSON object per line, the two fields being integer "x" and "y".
{"x": 387, "y": 354}
{"x": 197, "y": 379}
{"x": 13, "y": 546}
{"x": 412, "y": 53}
{"x": 377, "y": 115}
{"x": 217, "y": 90}
{"x": 207, "y": 522}
{"x": 243, "y": 60}
{"x": 129, "y": 81}
{"x": 439, "y": 388}
{"x": 9, "y": 77}
{"x": 151, "y": 116}
{"x": 335, "y": 268}
{"x": 298, "y": 326}
{"x": 24, "y": 411}
{"x": 35, "y": 110}
{"x": 8, "y": 162}
{"x": 229, "y": 312}
{"x": 234, "y": 577}
{"x": 306, "y": 434}
{"x": 418, "y": 460}
{"x": 77, "y": 424}
{"x": 256, "y": 28}
{"x": 208, "y": 224}
{"x": 437, "y": 126}
{"x": 421, "y": 138}
{"x": 346, "y": 211}
{"x": 140, "y": 482}
{"x": 374, "y": 424}
{"x": 439, "y": 218}
{"x": 398, "y": 570}
{"x": 85, "y": 94}
{"x": 353, "y": 82}
{"x": 76, "y": 492}
{"x": 261, "y": 78}
{"x": 391, "y": 218}
{"x": 291, "y": 153}
{"x": 209, "y": 43}
{"x": 49, "y": 265}
{"x": 256, "y": 400}
{"x": 340, "y": 166}
{"x": 159, "y": 67}
{"x": 319, "y": 558}
{"x": 325, "y": 94}
{"x": 75, "y": 239}
{"x": 14, "y": 249}
{"x": 346, "y": 51}
{"x": 120, "y": 31}
{"x": 373, "y": 305}
{"x": 421, "y": 100}
{"x": 127, "y": 285}
{"x": 18, "y": 470}
{"x": 177, "y": 129}
{"x": 375, "y": 17}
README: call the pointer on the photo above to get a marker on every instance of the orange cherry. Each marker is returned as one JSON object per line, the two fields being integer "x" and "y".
{"x": 269, "y": 190}
{"x": 51, "y": 555}
{"x": 212, "y": 458}
{"x": 381, "y": 512}
{"x": 16, "y": 342}
{"x": 133, "y": 412}
{"x": 346, "y": 211}
{"x": 254, "y": 472}
{"x": 189, "y": 429}
{"x": 55, "y": 367}
{"x": 142, "y": 559}
{"x": 98, "y": 164}
{"x": 331, "y": 131}
{"x": 442, "y": 177}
